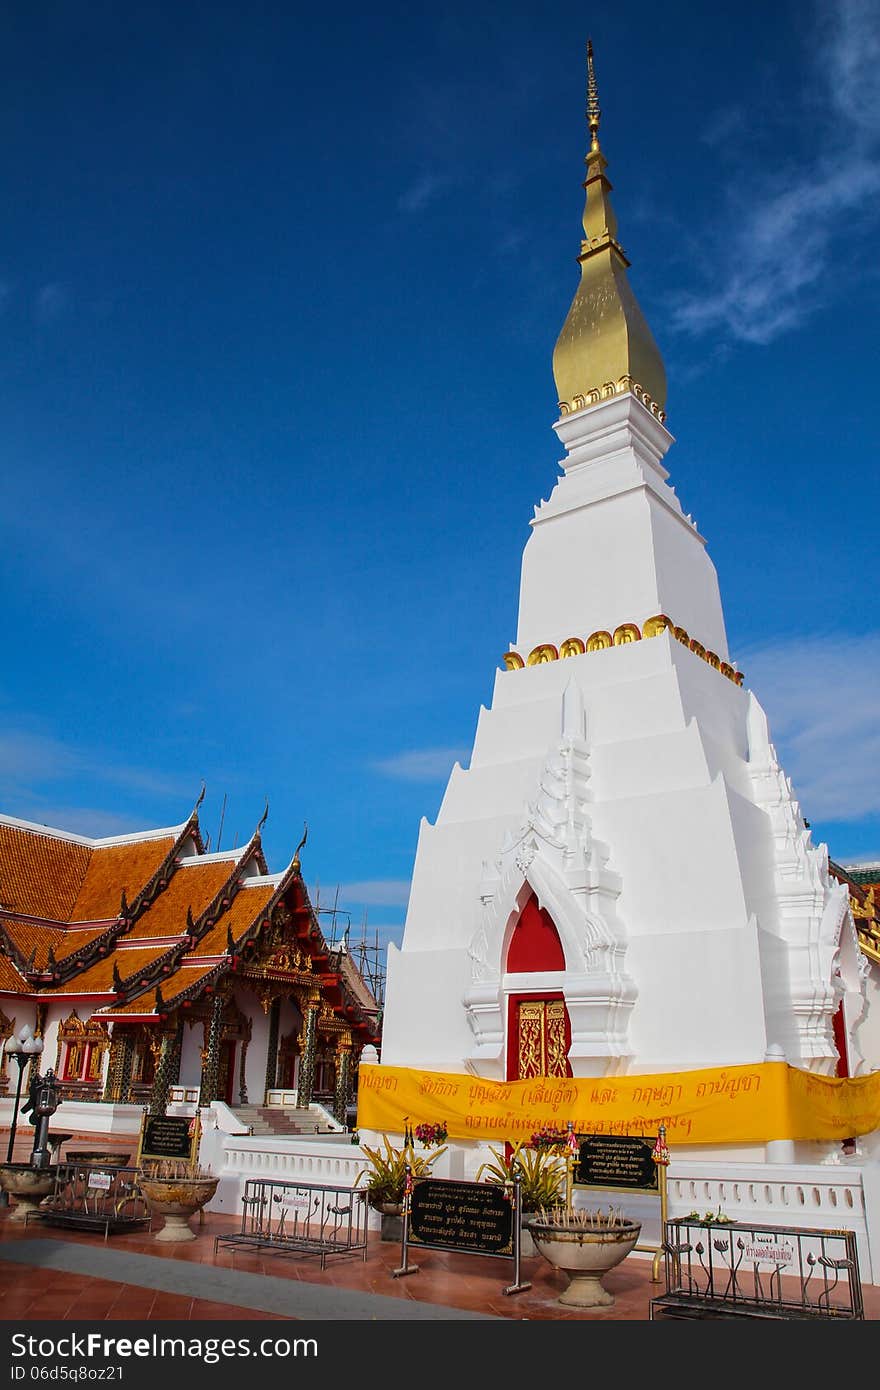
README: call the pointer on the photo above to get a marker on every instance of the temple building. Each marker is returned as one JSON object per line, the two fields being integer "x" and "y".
{"x": 154, "y": 970}
{"x": 621, "y": 882}
{"x": 862, "y": 883}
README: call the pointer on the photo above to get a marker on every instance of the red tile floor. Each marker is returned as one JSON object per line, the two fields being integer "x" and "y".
{"x": 467, "y": 1282}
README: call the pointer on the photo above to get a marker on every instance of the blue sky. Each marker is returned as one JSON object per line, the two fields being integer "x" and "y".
{"x": 278, "y": 297}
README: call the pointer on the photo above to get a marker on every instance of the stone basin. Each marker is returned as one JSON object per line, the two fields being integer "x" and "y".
{"x": 177, "y": 1199}
{"x": 97, "y": 1158}
{"x": 585, "y": 1255}
{"x": 27, "y": 1185}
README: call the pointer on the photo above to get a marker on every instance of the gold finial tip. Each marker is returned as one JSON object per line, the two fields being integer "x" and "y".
{"x": 594, "y": 115}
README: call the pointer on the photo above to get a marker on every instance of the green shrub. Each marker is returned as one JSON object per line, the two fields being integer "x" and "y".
{"x": 385, "y": 1179}
{"x": 542, "y": 1174}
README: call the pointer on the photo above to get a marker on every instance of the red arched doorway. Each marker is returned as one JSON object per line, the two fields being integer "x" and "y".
{"x": 538, "y": 1026}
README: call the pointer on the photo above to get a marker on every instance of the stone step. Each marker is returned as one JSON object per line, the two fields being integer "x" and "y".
{"x": 282, "y": 1120}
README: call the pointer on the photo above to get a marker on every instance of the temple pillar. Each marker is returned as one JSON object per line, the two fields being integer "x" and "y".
{"x": 242, "y": 1072}
{"x": 343, "y": 1076}
{"x": 309, "y": 1051}
{"x": 118, "y": 1084}
{"x": 167, "y": 1070}
{"x": 211, "y": 1068}
{"x": 272, "y": 1048}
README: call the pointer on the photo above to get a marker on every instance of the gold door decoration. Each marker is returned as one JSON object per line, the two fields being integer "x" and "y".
{"x": 86, "y": 1044}
{"x": 541, "y": 1034}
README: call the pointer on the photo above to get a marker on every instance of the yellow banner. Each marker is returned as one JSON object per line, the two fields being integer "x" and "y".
{"x": 730, "y": 1105}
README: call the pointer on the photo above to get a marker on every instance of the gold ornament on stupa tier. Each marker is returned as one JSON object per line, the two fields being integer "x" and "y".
{"x": 622, "y": 636}
{"x": 606, "y": 346}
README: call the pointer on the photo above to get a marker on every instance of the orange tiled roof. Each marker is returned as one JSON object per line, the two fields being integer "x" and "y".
{"x": 143, "y": 1005}
{"x": 170, "y": 987}
{"x": 46, "y": 876}
{"x": 27, "y": 937}
{"x": 98, "y": 979}
{"x": 40, "y": 874}
{"x": 10, "y": 980}
{"x": 195, "y": 886}
{"x": 246, "y": 907}
{"x": 182, "y": 980}
{"x": 112, "y": 868}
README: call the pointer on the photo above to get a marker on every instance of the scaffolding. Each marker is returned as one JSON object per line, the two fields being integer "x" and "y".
{"x": 368, "y": 956}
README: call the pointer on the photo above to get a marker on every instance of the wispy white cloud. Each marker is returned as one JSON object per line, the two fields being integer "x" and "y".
{"x": 853, "y": 61}
{"x": 368, "y": 935}
{"x": 778, "y": 242}
{"x": 50, "y": 301}
{"x": 376, "y": 892}
{"x": 421, "y": 764}
{"x": 723, "y": 125}
{"x": 512, "y": 240}
{"x": 28, "y": 759}
{"x": 424, "y": 190}
{"x": 821, "y": 701}
{"x": 91, "y": 821}
{"x": 779, "y": 273}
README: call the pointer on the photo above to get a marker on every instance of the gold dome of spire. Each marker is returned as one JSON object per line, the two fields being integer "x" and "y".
{"x": 606, "y": 346}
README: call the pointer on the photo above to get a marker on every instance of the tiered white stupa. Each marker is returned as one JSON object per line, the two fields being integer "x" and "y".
{"x": 622, "y": 880}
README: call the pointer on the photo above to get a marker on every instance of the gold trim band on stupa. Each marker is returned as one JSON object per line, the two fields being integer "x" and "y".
{"x": 622, "y": 636}
{"x": 606, "y": 346}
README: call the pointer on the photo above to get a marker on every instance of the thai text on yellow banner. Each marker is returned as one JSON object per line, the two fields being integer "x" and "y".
{"x": 729, "y": 1105}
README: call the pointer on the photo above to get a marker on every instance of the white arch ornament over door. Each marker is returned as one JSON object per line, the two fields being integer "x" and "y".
{"x": 555, "y": 856}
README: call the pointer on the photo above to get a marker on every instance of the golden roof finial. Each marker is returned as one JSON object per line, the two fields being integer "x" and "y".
{"x": 594, "y": 115}
{"x": 605, "y": 346}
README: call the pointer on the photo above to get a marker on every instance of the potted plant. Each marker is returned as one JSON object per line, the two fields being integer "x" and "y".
{"x": 585, "y": 1245}
{"x": 431, "y": 1135}
{"x": 541, "y": 1172}
{"x": 385, "y": 1178}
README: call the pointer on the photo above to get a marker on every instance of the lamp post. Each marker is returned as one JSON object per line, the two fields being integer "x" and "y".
{"x": 44, "y": 1105}
{"x": 22, "y": 1048}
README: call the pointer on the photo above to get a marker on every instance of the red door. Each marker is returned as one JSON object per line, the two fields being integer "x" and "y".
{"x": 538, "y": 1026}
{"x": 226, "y": 1080}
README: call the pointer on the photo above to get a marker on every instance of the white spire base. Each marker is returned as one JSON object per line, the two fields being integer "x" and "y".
{"x": 612, "y": 545}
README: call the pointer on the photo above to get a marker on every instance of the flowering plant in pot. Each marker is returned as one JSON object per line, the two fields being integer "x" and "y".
{"x": 548, "y": 1139}
{"x": 431, "y": 1135}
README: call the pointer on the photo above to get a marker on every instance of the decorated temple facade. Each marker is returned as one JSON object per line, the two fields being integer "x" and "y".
{"x": 862, "y": 883}
{"x": 154, "y": 970}
{"x": 622, "y": 882}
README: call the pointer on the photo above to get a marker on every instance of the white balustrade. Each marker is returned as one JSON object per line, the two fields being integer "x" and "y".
{"x": 814, "y": 1196}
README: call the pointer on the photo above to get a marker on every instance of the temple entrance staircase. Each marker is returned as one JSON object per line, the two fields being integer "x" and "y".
{"x": 284, "y": 1121}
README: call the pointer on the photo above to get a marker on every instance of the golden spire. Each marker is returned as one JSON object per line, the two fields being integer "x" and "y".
{"x": 594, "y": 115}
{"x": 605, "y": 347}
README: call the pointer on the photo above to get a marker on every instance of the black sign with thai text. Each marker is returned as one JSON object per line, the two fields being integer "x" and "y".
{"x": 167, "y": 1136}
{"x": 470, "y": 1216}
{"x": 617, "y": 1160}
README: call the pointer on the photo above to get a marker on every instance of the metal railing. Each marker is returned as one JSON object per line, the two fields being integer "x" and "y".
{"x": 301, "y": 1219}
{"x": 94, "y": 1198}
{"x": 716, "y": 1269}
